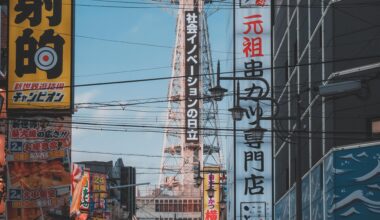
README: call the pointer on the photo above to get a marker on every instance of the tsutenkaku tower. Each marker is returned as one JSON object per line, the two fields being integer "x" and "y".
{"x": 191, "y": 131}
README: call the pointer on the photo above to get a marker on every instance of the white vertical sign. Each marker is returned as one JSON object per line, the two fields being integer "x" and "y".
{"x": 253, "y": 68}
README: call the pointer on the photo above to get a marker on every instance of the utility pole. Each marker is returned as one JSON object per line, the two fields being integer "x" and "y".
{"x": 234, "y": 99}
{"x": 298, "y": 161}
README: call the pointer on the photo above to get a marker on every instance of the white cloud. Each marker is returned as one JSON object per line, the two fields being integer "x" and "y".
{"x": 78, "y": 133}
{"x": 86, "y": 97}
{"x": 147, "y": 17}
{"x": 99, "y": 114}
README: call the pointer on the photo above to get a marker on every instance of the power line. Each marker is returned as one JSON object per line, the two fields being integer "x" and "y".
{"x": 163, "y": 46}
{"x": 116, "y": 154}
{"x": 227, "y": 129}
{"x": 227, "y": 72}
{"x": 136, "y": 5}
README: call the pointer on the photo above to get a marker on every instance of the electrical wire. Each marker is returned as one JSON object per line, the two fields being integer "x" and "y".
{"x": 166, "y": 128}
{"x": 268, "y": 68}
{"x": 219, "y": 7}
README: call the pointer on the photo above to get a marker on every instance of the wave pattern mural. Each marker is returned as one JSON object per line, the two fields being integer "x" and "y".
{"x": 282, "y": 208}
{"x": 357, "y": 188}
{"x": 344, "y": 186}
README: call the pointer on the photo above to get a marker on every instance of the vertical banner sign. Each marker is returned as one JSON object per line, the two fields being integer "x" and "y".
{"x": 211, "y": 180}
{"x": 76, "y": 188}
{"x": 3, "y": 186}
{"x": 99, "y": 194}
{"x": 40, "y": 54}
{"x": 253, "y": 63}
{"x": 192, "y": 80}
{"x": 85, "y": 197}
{"x": 38, "y": 164}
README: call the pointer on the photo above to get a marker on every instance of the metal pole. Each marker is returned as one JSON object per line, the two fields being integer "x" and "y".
{"x": 298, "y": 162}
{"x": 234, "y": 98}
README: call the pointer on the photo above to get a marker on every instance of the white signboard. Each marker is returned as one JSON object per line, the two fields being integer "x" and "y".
{"x": 253, "y": 68}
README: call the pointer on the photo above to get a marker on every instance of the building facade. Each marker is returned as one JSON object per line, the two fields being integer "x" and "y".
{"x": 156, "y": 205}
{"x": 319, "y": 43}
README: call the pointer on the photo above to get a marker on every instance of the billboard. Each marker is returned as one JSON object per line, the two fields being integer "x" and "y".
{"x": 40, "y": 59}
{"x": 38, "y": 155}
{"x": 38, "y": 139}
{"x": 99, "y": 195}
{"x": 253, "y": 163}
{"x": 211, "y": 180}
{"x": 192, "y": 79}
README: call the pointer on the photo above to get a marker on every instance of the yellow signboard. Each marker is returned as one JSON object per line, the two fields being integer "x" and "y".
{"x": 40, "y": 55}
{"x": 211, "y": 180}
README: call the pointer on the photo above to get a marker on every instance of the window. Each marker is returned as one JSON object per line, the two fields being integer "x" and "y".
{"x": 180, "y": 206}
{"x": 196, "y": 206}
{"x": 320, "y": 37}
{"x": 166, "y": 207}
{"x": 375, "y": 127}
{"x": 171, "y": 207}
{"x": 295, "y": 53}
{"x": 161, "y": 205}
{"x": 286, "y": 178}
{"x": 157, "y": 205}
{"x": 185, "y": 206}
{"x": 176, "y": 208}
{"x": 286, "y": 66}
{"x": 190, "y": 206}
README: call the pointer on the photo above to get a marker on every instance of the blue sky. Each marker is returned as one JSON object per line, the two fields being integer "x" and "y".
{"x": 94, "y": 58}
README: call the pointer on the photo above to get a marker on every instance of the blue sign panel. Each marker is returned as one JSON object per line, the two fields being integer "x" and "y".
{"x": 306, "y": 198}
{"x": 316, "y": 189}
{"x": 357, "y": 184}
{"x": 282, "y": 208}
{"x": 292, "y": 200}
{"x": 343, "y": 186}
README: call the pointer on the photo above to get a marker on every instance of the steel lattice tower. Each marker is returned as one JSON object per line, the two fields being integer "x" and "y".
{"x": 178, "y": 158}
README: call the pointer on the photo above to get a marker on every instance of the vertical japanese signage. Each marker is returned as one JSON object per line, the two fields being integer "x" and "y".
{"x": 85, "y": 197}
{"x": 211, "y": 180}
{"x": 192, "y": 80}
{"x": 3, "y": 115}
{"x": 38, "y": 155}
{"x": 40, "y": 54}
{"x": 253, "y": 67}
{"x": 76, "y": 189}
{"x": 99, "y": 194}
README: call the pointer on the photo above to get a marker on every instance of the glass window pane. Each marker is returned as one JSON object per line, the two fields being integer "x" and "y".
{"x": 376, "y": 126}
